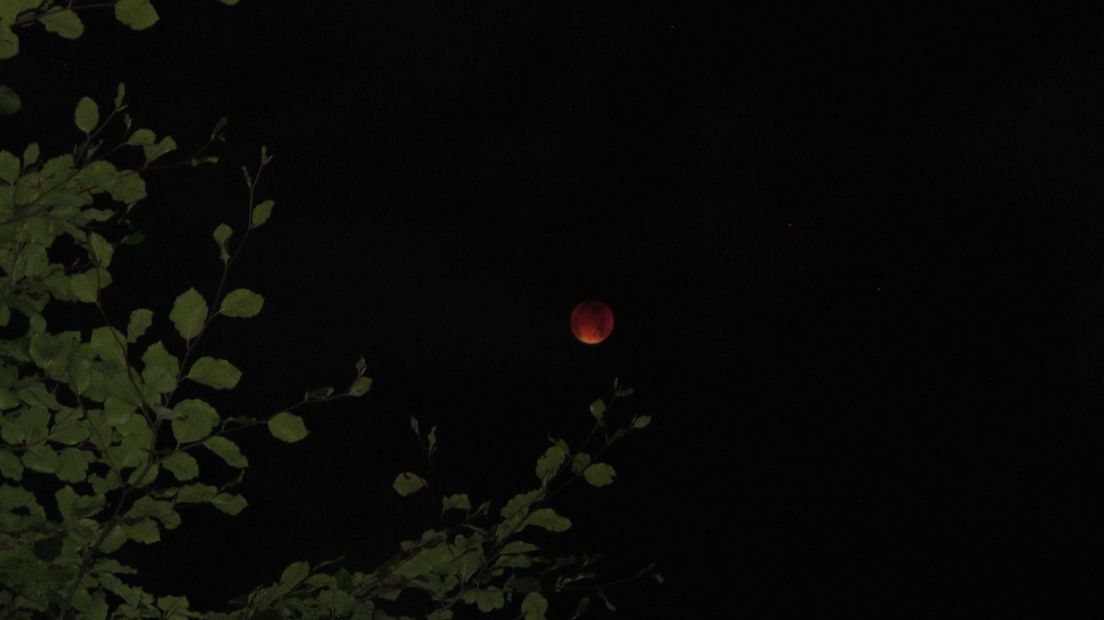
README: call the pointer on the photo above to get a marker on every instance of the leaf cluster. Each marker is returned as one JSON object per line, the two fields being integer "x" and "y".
{"x": 97, "y": 449}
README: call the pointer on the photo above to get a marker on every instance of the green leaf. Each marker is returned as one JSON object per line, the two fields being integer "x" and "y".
{"x": 148, "y": 506}
{"x": 10, "y": 466}
{"x": 135, "y": 426}
{"x": 642, "y": 421}
{"x": 142, "y": 137}
{"x": 9, "y": 43}
{"x": 87, "y": 115}
{"x": 182, "y": 465}
{"x": 407, "y": 483}
{"x": 7, "y": 399}
{"x": 117, "y": 412}
{"x": 199, "y": 420}
{"x": 101, "y": 249}
{"x": 196, "y": 494}
{"x": 459, "y": 501}
{"x": 262, "y": 212}
{"x": 188, "y": 313}
{"x": 534, "y": 606}
{"x": 217, "y": 373}
{"x": 65, "y": 23}
{"x": 83, "y": 284}
{"x": 519, "y": 503}
{"x": 42, "y": 458}
{"x": 120, "y": 94}
{"x": 581, "y": 607}
{"x": 161, "y": 368}
{"x": 115, "y": 539}
{"x": 518, "y": 546}
{"x": 230, "y": 504}
{"x": 513, "y": 561}
{"x": 103, "y": 342}
{"x": 173, "y": 606}
{"x": 241, "y": 303}
{"x": 128, "y": 187}
{"x": 598, "y": 408}
{"x": 71, "y": 505}
{"x": 471, "y": 562}
{"x": 425, "y": 562}
{"x": 144, "y": 531}
{"x": 111, "y": 583}
{"x": 292, "y": 575}
{"x": 228, "y": 450}
{"x": 102, "y": 486}
{"x": 74, "y": 465}
{"x": 164, "y": 413}
{"x": 30, "y": 154}
{"x": 9, "y": 167}
{"x": 140, "y": 321}
{"x": 488, "y": 600}
{"x": 360, "y": 386}
{"x": 154, "y": 151}
{"x": 16, "y": 497}
{"x": 222, "y": 235}
{"x": 99, "y": 176}
{"x": 599, "y": 474}
{"x": 142, "y": 477}
{"x": 56, "y": 167}
{"x": 550, "y": 463}
{"x": 36, "y": 395}
{"x": 547, "y": 519}
{"x": 9, "y": 99}
{"x": 138, "y": 14}
{"x": 171, "y": 521}
{"x": 34, "y": 261}
{"x": 130, "y": 453}
{"x": 68, "y": 428}
{"x": 287, "y": 426}
{"x": 580, "y": 462}
{"x": 144, "y": 474}
{"x": 29, "y": 425}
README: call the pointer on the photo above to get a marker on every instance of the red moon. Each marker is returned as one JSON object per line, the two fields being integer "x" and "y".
{"x": 591, "y": 322}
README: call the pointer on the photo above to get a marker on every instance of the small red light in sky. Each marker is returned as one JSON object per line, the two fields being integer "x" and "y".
{"x": 591, "y": 322}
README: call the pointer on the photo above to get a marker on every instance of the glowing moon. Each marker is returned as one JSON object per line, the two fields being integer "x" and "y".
{"x": 591, "y": 322}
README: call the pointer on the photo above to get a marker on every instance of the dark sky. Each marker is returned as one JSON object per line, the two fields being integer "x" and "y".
{"x": 854, "y": 260}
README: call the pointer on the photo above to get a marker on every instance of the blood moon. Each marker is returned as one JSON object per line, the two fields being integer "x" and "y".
{"x": 591, "y": 322}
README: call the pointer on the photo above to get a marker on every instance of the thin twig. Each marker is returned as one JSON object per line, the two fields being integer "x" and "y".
{"x": 191, "y": 342}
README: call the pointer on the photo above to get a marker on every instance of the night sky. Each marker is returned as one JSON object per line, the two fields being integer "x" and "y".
{"x": 855, "y": 263}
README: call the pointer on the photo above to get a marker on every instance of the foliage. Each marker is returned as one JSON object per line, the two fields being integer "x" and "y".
{"x": 94, "y": 415}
